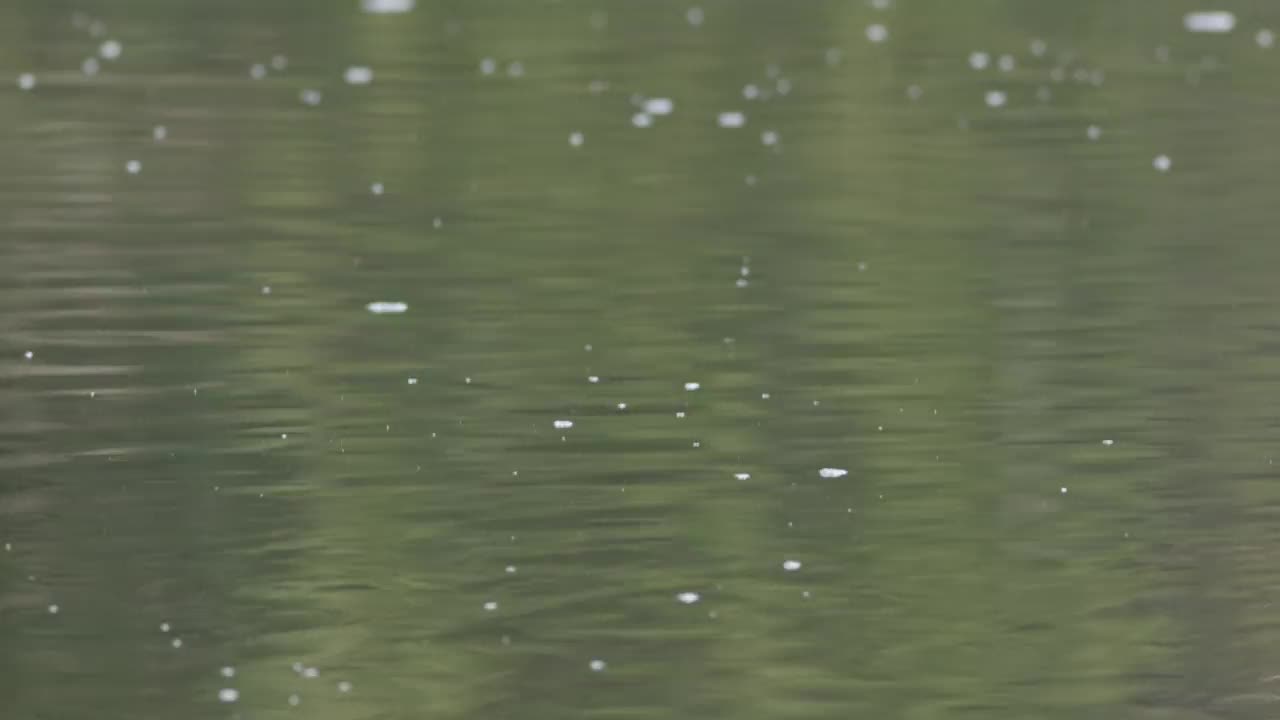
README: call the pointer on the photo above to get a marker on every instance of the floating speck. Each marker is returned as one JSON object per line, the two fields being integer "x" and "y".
{"x": 680, "y": 414}
{"x": 165, "y": 627}
{"x": 1093, "y": 132}
{"x": 641, "y": 120}
{"x": 765, "y": 396}
{"x": 279, "y": 62}
{"x": 1063, "y": 490}
{"x": 176, "y": 643}
{"x": 311, "y": 673}
{"x": 298, "y": 667}
{"x": 877, "y": 33}
{"x": 1039, "y": 47}
{"x": 694, "y": 16}
{"x": 622, "y": 406}
{"x": 8, "y": 547}
{"x": 769, "y": 138}
{"x": 1108, "y": 442}
{"x": 53, "y": 609}
{"x": 750, "y": 92}
{"x": 228, "y": 695}
{"x": 688, "y": 598}
{"x": 159, "y": 133}
{"x": 511, "y": 569}
{"x": 659, "y": 106}
{"x": 593, "y": 379}
{"x": 832, "y": 472}
{"x": 90, "y": 66}
{"x": 490, "y": 606}
{"x": 344, "y": 686}
{"x": 742, "y": 476}
{"x": 257, "y": 71}
{"x": 295, "y": 700}
{"x": 26, "y": 81}
{"x": 28, "y": 354}
{"x": 597, "y": 665}
{"x": 110, "y": 50}
{"x": 228, "y": 671}
{"x": 731, "y": 119}
{"x": 376, "y": 188}
{"x": 1215, "y": 21}
{"x": 266, "y": 290}
{"x": 783, "y": 86}
{"x": 691, "y": 386}
{"x": 1006, "y": 63}
{"x": 1265, "y": 38}
{"x": 562, "y": 424}
{"x": 358, "y": 75}
{"x": 412, "y": 381}
{"x": 383, "y": 307}
{"x": 1162, "y": 163}
{"x": 515, "y": 69}
{"x": 995, "y": 98}
{"x": 488, "y": 66}
{"x": 310, "y": 97}
{"x": 979, "y": 60}
{"x": 386, "y": 7}
{"x": 437, "y": 223}
{"x": 791, "y": 565}
{"x": 133, "y": 167}
{"x": 576, "y": 139}
{"x": 914, "y": 92}
{"x": 741, "y": 282}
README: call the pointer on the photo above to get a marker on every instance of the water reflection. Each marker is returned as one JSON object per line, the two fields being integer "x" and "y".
{"x": 911, "y": 360}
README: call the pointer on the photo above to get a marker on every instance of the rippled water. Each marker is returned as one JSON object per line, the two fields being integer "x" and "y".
{"x": 911, "y": 359}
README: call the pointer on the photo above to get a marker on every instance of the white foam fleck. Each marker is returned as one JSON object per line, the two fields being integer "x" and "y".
{"x": 228, "y": 695}
{"x": 597, "y": 665}
{"x": 1039, "y": 47}
{"x": 164, "y": 627}
{"x": 695, "y": 16}
{"x": 515, "y": 69}
{"x": 344, "y": 686}
{"x": 412, "y": 381}
{"x": 576, "y": 139}
{"x": 914, "y": 92}
{"x": 1108, "y": 442}
{"x": 176, "y": 643}
{"x": 783, "y": 86}
{"x": 383, "y": 307}
{"x": 490, "y": 606}
{"x": 877, "y": 33}
{"x": 257, "y": 71}
{"x": 228, "y": 671}
{"x": 1265, "y": 38}
{"x": 659, "y": 106}
{"x": 311, "y": 673}
{"x": 279, "y": 62}
{"x": 53, "y": 609}
{"x": 688, "y": 598}
{"x": 593, "y": 379}
{"x": 1093, "y": 132}
{"x": 26, "y": 81}
{"x": 1213, "y": 21}
{"x": 995, "y": 98}
{"x": 791, "y": 565}
{"x": 90, "y": 66}
{"x": 1006, "y": 63}
{"x": 562, "y": 424}
{"x": 680, "y": 414}
{"x": 488, "y": 66}
{"x": 641, "y": 120}
{"x": 511, "y": 569}
{"x": 1063, "y": 490}
{"x": 110, "y": 50}
{"x": 133, "y": 167}
{"x": 28, "y": 355}
{"x": 376, "y": 188}
{"x": 979, "y": 60}
{"x": 691, "y": 386}
{"x": 358, "y": 75}
{"x": 1162, "y": 163}
{"x": 310, "y": 97}
{"x": 750, "y": 92}
{"x": 622, "y": 406}
{"x": 386, "y": 7}
{"x": 731, "y": 119}
{"x": 742, "y": 476}
{"x": 159, "y": 133}
{"x": 832, "y": 472}
{"x": 769, "y": 138}
{"x": 295, "y": 700}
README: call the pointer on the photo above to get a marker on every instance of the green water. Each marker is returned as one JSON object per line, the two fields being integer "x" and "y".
{"x": 1051, "y": 370}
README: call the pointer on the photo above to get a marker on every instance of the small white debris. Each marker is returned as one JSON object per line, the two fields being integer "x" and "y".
{"x": 53, "y": 609}
{"x": 383, "y": 307}
{"x": 266, "y": 290}
{"x": 659, "y": 106}
{"x": 679, "y": 414}
{"x": 995, "y": 98}
{"x": 1214, "y": 21}
{"x": 562, "y": 424}
{"x": 1108, "y": 442}
{"x": 791, "y": 565}
{"x": 437, "y": 223}
{"x": 165, "y": 627}
{"x": 641, "y": 120}
{"x": 1063, "y": 490}
{"x": 358, "y": 75}
{"x": 176, "y": 643}
{"x": 695, "y": 16}
{"x": 1162, "y": 163}
{"x": 1006, "y": 63}
{"x": 490, "y": 606}
{"x": 28, "y": 355}
{"x": 26, "y": 81}
{"x": 311, "y": 97}
{"x": 877, "y": 33}
{"x": 742, "y": 476}
{"x": 228, "y": 695}
{"x": 1039, "y": 47}
{"x": 914, "y": 92}
{"x": 133, "y": 167}
{"x": 511, "y": 569}
{"x": 228, "y": 671}
{"x": 688, "y": 598}
{"x": 279, "y": 62}
{"x": 344, "y": 686}
{"x": 576, "y": 139}
{"x": 597, "y": 665}
{"x": 515, "y": 69}
{"x": 750, "y": 92}
{"x": 832, "y": 472}
{"x": 110, "y": 50}
{"x": 159, "y": 133}
{"x": 622, "y": 406}
{"x": 769, "y": 138}
{"x": 257, "y": 71}
{"x": 1093, "y": 132}
{"x": 979, "y": 60}
{"x": 691, "y": 386}
{"x": 1265, "y": 38}
{"x": 295, "y": 700}
{"x": 731, "y": 119}
{"x": 488, "y": 66}
{"x": 386, "y": 7}
{"x": 90, "y": 66}
{"x": 593, "y": 379}
{"x": 311, "y": 673}
{"x": 412, "y": 381}
{"x": 8, "y": 547}
{"x": 376, "y": 188}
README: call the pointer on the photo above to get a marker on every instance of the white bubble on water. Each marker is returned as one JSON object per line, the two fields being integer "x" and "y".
{"x": 791, "y": 565}
{"x": 176, "y": 643}
{"x": 731, "y": 119}
{"x": 593, "y": 379}
{"x": 979, "y": 60}
{"x": 279, "y": 62}
{"x": 110, "y": 50}
{"x": 562, "y": 424}
{"x": 228, "y": 672}
{"x": 832, "y": 472}
{"x": 783, "y": 86}
{"x": 1093, "y": 132}
{"x": 412, "y": 381}
{"x": 995, "y": 98}
{"x": 877, "y": 33}
{"x": 641, "y": 120}
{"x": 688, "y": 598}
{"x": 1039, "y": 47}
{"x": 386, "y": 7}
{"x": 1162, "y": 163}
{"x": 750, "y": 92}
{"x": 597, "y": 665}
{"x": 488, "y": 66}
{"x": 511, "y": 569}
{"x": 1063, "y": 490}
{"x": 490, "y": 606}
{"x": 164, "y": 627}
{"x": 659, "y": 106}
{"x": 344, "y": 686}
{"x": 90, "y": 66}
{"x": 26, "y": 81}
{"x": 383, "y": 307}
{"x": 133, "y": 167}
{"x": 695, "y": 16}
{"x": 680, "y": 414}
{"x": 295, "y": 700}
{"x": 358, "y": 75}
{"x": 691, "y": 386}
{"x": 257, "y": 71}
{"x": 914, "y": 92}
{"x": 28, "y": 354}
{"x": 311, "y": 97}
{"x": 159, "y": 133}
{"x": 228, "y": 695}
{"x": 1265, "y": 38}
{"x": 769, "y": 138}
{"x": 1108, "y": 442}
{"x": 1006, "y": 63}
{"x": 1214, "y": 21}
{"x": 742, "y": 476}
{"x": 515, "y": 69}
{"x": 576, "y": 139}
{"x": 53, "y": 609}
{"x": 311, "y": 673}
